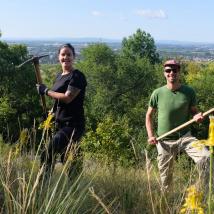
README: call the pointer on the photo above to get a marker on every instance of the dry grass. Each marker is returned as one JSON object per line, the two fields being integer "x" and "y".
{"x": 99, "y": 189}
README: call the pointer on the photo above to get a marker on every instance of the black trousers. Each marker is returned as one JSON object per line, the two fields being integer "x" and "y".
{"x": 65, "y": 137}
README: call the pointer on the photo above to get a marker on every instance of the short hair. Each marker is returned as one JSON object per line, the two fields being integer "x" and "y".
{"x": 67, "y": 45}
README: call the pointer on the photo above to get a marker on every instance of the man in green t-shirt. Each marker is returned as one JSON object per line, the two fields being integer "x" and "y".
{"x": 175, "y": 104}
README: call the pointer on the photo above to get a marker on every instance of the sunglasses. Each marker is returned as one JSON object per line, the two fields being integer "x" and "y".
{"x": 174, "y": 70}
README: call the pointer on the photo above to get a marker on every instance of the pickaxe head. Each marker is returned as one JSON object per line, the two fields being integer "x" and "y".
{"x": 34, "y": 59}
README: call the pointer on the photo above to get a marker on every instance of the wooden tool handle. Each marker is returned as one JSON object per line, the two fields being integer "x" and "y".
{"x": 39, "y": 81}
{"x": 184, "y": 125}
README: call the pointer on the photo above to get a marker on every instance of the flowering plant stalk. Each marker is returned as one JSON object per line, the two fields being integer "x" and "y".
{"x": 211, "y": 142}
{"x": 193, "y": 201}
{"x": 200, "y": 144}
{"x": 48, "y": 123}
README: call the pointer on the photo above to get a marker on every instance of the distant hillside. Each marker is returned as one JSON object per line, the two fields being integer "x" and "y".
{"x": 64, "y": 40}
{"x": 175, "y": 42}
{"x": 95, "y": 39}
{"x": 166, "y": 48}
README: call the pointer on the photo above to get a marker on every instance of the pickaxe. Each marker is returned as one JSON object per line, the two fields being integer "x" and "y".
{"x": 35, "y": 60}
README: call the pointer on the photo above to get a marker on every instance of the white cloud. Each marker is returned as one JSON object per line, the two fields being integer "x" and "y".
{"x": 123, "y": 18}
{"x": 96, "y": 13}
{"x": 160, "y": 14}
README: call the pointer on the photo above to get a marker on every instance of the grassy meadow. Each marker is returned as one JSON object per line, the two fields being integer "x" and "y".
{"x": 100, "y": 188}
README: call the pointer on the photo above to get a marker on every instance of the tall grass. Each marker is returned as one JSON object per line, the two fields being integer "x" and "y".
{"x": 100, "y": 188}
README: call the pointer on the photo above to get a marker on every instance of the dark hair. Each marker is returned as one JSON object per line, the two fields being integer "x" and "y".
{"x": 67, "y": 45}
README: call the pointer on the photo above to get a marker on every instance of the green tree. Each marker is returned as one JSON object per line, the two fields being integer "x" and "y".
{"x": 19, "y": 100}
{"x": 200, "y": 76}
{"x": 116, "y": 83}
{"x": 111, "y": 142}
{"x": 98, "y": 64}
{"x": 193, "y": 71}
{"x": 142, "y": 45}
{"x": 49, "y": 73}
{"x": 119, "y": 86}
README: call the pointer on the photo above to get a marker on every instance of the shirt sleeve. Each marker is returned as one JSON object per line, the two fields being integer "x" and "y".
{"x": 153, "y": 102}
{"x": 78, "y": 80}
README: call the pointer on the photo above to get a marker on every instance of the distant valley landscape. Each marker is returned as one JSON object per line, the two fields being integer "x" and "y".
{"x": 167, "y": 49}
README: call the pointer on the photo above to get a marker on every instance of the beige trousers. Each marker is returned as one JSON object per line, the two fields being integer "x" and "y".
{"x": 167, "y": 151}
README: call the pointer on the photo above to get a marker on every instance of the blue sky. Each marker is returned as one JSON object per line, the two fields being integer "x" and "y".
{"x": 182, "y": 20}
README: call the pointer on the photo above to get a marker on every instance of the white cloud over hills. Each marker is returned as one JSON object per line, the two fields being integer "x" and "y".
{"x": 96, "y": 13}
{"x": 160, "y": 14}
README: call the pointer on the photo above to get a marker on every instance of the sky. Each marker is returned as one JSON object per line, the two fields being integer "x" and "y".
{"x": 179, "y": 20}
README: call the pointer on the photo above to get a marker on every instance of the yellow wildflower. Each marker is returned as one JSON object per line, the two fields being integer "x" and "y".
{"x": 211, "y": 130}
{"x": 23, "y": 136}
{"x": 193, "y": 201}
{"x": 17, "y": 150}
{"x": 199, "y": 144}
{"x": 48, "y": 123}
{"x": 70, "y": 156}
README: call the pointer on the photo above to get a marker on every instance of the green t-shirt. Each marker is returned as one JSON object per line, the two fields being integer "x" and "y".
{"x": 173, "y": 108}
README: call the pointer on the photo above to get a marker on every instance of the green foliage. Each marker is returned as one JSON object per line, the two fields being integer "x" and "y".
{"x": 98, "y": 64}
{"x": 111, "y": 142}
{"x": 119, "y": 85}
{"x": 135, "y": 78}
{"x": 201, "y": 77}
{"x": 116, "y": 83}
{"x": 17, "y": 87}
{"x": 193, "y": 71}
{"x": 142, "y": 45}
{"x": 48, "y": 73}
{"x": 203, "y": 84}
{"x": 5, "y": 109}
{"x": 98, "y": 54}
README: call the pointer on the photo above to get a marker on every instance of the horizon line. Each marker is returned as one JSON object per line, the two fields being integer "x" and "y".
{"x": 97, "y": 39}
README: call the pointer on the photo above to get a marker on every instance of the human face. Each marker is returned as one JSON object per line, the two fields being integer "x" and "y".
{"x": 66, "y": 58}
{"x": 172, "y": 74}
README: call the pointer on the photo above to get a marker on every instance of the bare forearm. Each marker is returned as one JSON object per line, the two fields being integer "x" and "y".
{"x": 149, "y": 122}
{"x": 60, "y": 96}
{"x": 149, "y": 126}
{"x": 66, "y": 97}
